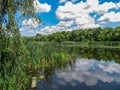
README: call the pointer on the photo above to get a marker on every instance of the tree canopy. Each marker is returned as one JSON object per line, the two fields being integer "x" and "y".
{"x": 95, "y": 34}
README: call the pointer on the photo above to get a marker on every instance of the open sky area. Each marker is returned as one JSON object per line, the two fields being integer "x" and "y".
{"x": 68, "y": 15}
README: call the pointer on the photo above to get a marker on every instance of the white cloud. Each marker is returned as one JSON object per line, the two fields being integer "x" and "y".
{"x": 72, "y": 11}
{"x": 86, "y": 26}
{"x": 29, "y": 25}
{"x": 61, "y": 26}
{"x": 84, "y": 19}
{"x": 93, "y": 3}
{"x": 79, "y": 13}
{"x": 103, "y": 8}
{"x": 110, "y": 17}
{"x": 65, "y": 26}
{"x": 94, "y": 6}
{"x": 41, "y": 7}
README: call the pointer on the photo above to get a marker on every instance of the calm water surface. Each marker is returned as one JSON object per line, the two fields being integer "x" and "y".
{"x": 84, "y": 74}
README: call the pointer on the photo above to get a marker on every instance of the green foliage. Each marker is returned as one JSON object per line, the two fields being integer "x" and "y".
{"x": 60, "y": 56}
{"x": 13, "y": 54}
{"x": 95, "y": 34}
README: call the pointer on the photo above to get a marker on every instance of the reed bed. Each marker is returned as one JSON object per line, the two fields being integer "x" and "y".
{"x": 17, "y": 76}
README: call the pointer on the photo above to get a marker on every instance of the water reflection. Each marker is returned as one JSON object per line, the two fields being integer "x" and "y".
{"x": 85, "y": 74}
{"x": 96, "y": 53}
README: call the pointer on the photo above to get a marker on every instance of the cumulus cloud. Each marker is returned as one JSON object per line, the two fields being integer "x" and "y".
{"x": 29, "y": 25}
{"x": 61, "y": 26}
{"x": 41, "y": 7}
{"x": 65, "y": 26}
{"x": 110, "y": 17}
{"x": 72, "y": 11}
{"x": 103, "y": 8}
{"x": 93, "y": 3}
{"x": 79, "y": 13}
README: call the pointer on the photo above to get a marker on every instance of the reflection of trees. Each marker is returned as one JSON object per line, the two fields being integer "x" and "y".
{"x": 94, "y": 53}
{"x": 48, "y": 72}
{"x": 100, "y": 54}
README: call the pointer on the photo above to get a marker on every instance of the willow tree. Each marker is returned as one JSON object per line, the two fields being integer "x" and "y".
{"x": 11, "y": 12}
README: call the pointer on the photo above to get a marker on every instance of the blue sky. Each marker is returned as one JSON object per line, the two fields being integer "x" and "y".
{"x": 68, "y": 15}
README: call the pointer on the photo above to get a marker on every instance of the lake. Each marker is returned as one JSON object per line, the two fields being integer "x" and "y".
{"x": 91, "y": 69}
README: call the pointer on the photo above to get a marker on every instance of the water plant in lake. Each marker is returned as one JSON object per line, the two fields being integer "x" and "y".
{"x": 47, "y": 54}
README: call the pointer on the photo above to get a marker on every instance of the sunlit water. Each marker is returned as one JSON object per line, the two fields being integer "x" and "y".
{"x": 84, "y": 74}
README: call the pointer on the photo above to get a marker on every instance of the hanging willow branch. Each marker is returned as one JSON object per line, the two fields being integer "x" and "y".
{"x": 10, "y": 41}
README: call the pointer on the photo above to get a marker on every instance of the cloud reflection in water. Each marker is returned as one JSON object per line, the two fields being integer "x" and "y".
{"x": 91, "y": 71}
{"x": 85, "y": 74}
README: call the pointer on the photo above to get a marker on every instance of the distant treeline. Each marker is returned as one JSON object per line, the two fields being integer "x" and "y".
{"x": 95, "y": 34}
